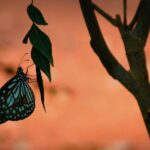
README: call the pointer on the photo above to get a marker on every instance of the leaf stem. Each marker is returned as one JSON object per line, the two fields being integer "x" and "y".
{"x": 31, "y": 2}
{"x": 125, "y": 12}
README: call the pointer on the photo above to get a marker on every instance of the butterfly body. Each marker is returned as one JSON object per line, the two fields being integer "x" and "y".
{"x": 17, "y": 99}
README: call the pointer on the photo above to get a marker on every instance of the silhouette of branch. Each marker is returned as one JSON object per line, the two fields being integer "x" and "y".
{"x": 135, "y": 80}
{"x": 135, "y": 18}
{"x": 143, "y": 23}
{"x": 113, "y": 67}
{"x": 32, "y": 2}
{"x": 104, "y": 14}
{"x": 125, "y": 12}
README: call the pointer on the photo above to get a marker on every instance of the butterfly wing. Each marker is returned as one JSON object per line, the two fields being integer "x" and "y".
{"x": 17, "y": 100}
{"x": 2, "y": 111}
{"x": 3, "y": 97}
{"x": 25, "y": 104}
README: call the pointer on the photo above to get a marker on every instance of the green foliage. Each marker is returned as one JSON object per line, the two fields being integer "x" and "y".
{"x": 41, "y": 52}
{"x": 40, "y": 84}
{"x": 35, "y": 15}
{"x": 39, "y": 60}
{"x": 41, "y": 42}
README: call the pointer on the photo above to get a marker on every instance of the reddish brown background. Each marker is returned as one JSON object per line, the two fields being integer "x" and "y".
{"x": 85, "y": 106}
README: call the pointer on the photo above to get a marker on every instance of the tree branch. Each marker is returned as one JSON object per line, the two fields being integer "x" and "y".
{"x": 134, "y": 41}
{"x": 125, "y": 12}
{"x": 99, "y": 46}
{"x": 143, "y": 23}
{"x": 31, "y": 2}
{"x": 135, "y": 80}
{"x": 135, "y": 18}
{"x": 104, "y": 14}
{"x": 135, "y": 52}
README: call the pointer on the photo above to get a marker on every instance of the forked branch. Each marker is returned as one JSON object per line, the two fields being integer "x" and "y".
{"x": 136, "y": 79}
{"x": 125, "y": 12}
{"x": 135, "y": 18}
{"x": 114, "y": 68}
{"x": 104, "y": 14}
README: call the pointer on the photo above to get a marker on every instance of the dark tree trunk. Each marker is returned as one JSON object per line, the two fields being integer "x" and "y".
{"x": 134, "y": 37}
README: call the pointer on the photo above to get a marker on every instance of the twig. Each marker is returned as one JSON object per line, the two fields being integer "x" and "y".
{"x": 104, "y": 14}
{"x": 125, "y": 12}
{"x": 142, "y": 26}
{"x": 31, "y": 2}
{"x": 135, "y": 18}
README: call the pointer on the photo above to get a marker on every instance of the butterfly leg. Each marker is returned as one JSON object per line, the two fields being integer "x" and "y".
{"x": 32, "y": 80}
{"x": 28, "y": 68}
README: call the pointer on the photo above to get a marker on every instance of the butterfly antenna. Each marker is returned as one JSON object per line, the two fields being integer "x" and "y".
{"x": 21, "y": 61}
{"x": 28, "y": 68}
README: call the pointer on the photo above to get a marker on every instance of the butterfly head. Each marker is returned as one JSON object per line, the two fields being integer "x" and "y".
{"x": 19, "y": 70}
{"x": 21, "y": 75}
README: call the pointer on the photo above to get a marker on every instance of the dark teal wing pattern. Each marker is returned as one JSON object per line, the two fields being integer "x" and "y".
{"x": 17, "y": 100}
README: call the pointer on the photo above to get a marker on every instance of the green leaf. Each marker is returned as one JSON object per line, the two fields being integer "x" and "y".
{"x": 41, "y": 62}
{"x": 35, "y": 15}
{"x": 40, "y": 85}
{"x": 41, "y": 42}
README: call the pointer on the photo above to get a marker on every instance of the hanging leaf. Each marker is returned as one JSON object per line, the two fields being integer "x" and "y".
{"x": 25, "y": 39}
{"x": 41, "y": 52}
{"x": 35, "y": 15}
{"x": 40, "y": 85}
{"x": 41, "y": 62}
{"x": 41, "y": 42}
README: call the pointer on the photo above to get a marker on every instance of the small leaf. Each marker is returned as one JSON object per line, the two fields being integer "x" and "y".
{"x": 40, "y": 85}
{"x": 41, "y": 62}
{"x": 41, "y": 42}
{"x": 35, "y": 15}
{"x": 25, "y": 39}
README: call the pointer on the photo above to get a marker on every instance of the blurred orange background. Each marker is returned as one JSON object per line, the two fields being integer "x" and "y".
{"x": 86, "y": 108}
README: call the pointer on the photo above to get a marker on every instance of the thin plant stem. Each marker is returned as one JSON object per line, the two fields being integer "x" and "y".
{"x": 125, "y": 12}
{"x": 32, "y": 2}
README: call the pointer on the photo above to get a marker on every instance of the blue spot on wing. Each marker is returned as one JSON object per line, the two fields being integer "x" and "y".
{"x": 29, "y": 93}
{"x": 11, "y": 99}
{"x": 17, "y": 92}
{"x": 11, "y": 85}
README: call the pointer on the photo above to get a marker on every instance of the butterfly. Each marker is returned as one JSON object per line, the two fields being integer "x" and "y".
{"x": 17, "y": 100}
